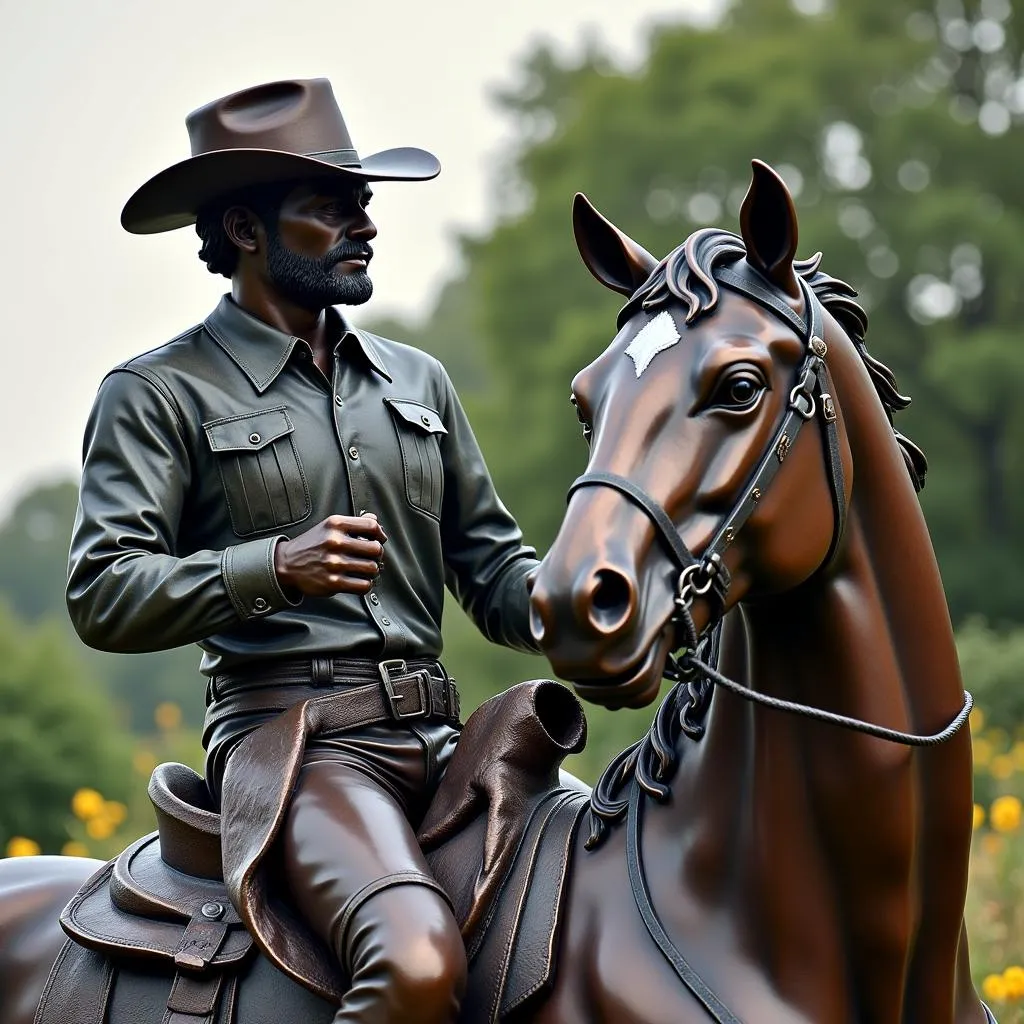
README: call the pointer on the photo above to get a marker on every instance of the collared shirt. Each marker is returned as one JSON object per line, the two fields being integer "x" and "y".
{"x": 200, "y": 455}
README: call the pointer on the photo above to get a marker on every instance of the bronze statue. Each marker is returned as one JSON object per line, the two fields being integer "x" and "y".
{"x": 779, "y": 851}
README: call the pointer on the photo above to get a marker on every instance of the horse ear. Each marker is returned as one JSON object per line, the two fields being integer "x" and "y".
{"x": 769, "y": 228}
{"x": 612, "y": 257}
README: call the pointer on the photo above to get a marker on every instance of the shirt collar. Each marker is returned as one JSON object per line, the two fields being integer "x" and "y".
{"x": 261, "y": 351}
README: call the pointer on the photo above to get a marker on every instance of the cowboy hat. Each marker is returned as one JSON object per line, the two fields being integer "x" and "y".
{"x": 275, "y": 132}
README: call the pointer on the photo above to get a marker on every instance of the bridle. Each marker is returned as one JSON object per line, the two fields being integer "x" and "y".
{"x": 707, "y": 576}
{"x": 812, "y": 394}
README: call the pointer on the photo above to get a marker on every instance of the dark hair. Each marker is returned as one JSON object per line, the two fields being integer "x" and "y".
{"x": 217, "y": 251}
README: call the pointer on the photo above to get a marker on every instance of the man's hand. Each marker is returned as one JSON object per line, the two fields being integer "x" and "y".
{"x": 341, "y": 555}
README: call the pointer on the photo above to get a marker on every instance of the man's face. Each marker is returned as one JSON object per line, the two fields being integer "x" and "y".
{"x": 319, "y": 250}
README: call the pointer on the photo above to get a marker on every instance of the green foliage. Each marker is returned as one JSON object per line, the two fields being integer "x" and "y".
{"x": 872, "y": 113}
{"x": 58, "y": 733}
{"x": 992, "y": 663}
{"x": 34, "y": 542}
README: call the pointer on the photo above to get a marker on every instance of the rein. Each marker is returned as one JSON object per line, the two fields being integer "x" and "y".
{"x": 811, "y": 394}
{"x": 707, "y": 575}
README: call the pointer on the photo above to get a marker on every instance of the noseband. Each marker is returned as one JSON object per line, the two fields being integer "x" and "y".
{"x": 707, "y": 575}
{"x": 812, "y": 393}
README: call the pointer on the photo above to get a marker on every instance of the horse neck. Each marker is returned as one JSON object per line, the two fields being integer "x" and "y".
{"x": 848, "y": 822}
{"x": 871, "y": 637}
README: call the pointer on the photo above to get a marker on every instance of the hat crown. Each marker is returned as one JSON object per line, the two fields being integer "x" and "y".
{"x": 300, "y": 117}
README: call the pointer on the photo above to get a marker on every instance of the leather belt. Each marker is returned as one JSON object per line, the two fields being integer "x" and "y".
{"x": 400, "y": 691}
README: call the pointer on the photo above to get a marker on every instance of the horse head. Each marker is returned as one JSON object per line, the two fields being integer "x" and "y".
{"x": 723, "y": 354}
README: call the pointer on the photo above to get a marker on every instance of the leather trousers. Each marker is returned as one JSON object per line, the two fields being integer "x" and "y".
{"x": 358, "y": 877}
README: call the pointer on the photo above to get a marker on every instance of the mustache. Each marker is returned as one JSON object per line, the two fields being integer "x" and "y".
{"x": 348, "y": 251}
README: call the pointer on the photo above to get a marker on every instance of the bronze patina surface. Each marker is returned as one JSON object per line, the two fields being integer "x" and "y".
{"x": 742, "y": 862}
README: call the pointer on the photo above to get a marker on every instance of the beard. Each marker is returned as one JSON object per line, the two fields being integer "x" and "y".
{"x": 310, "y": 281}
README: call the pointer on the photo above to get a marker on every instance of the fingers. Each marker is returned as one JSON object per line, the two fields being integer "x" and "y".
{"x": 364, "y": 525}
{"x": 356, "y": 547}
{"x": 340, "y": 565}
{"x": 350, "y": 584}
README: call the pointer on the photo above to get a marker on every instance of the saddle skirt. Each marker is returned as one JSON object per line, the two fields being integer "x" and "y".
{"x": 503, "y": 805}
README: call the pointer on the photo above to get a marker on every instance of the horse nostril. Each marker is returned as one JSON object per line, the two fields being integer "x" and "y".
{"x": 537, "y": 623}
{"x": 611, "y": 600}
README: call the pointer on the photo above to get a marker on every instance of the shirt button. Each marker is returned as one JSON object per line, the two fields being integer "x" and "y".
{"x": 337, "y": 400}
{"x": 425, "y": 420}
{"x": 385, "y": 622}
{"x": 255, "y": 438}
{"x": 260, "y": 604}
{"x": 374, "y": 599}
{"x": 353, "y": 452}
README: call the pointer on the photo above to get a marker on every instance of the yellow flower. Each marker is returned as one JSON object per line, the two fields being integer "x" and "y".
{"x": 86, "y": 804}
{"x": 19, "y": 846}
{"x": 1017, "y": 753}
{"x": 1005, "y": 814}
{"x": 1002, "y": 767}
{"x": 143, "y": 761}
{"x": 100, "y": 827}
{"x": 979, "y": 816}
{"x": 115, "y": 811}
{"x": 167, "y": 716}
{"x": 977, "y": 720}
{"x": 994, "y": 988}
{"x": 982, "y": 752}
{"x": 1013, "y": 979}
{"x": 74, "y": 849}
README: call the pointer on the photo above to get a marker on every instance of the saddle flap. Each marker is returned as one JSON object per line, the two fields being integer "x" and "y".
{"x": 532, "y": 958}
{"x": 138, "y": 906}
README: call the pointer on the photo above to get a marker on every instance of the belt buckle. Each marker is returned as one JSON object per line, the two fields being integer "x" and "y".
{"x": 398, "y": 667}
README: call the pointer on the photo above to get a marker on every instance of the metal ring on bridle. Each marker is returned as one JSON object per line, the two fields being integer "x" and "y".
{"x": 808, "y": 411}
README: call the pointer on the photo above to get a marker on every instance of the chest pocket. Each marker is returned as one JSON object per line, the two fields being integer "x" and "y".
{"x": 264, "y": 485}
{"x": 419, "y": 430}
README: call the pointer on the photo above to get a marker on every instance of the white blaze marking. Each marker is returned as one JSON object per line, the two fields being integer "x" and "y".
{"x": 655, "y": 336}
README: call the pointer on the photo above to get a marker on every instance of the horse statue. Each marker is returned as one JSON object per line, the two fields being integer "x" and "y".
{"x": 789, "y": 842}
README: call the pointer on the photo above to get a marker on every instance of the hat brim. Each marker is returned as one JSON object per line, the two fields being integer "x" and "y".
{"x": 172, "y": 198}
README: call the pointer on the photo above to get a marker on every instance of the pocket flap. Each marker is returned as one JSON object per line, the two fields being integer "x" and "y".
{"x": 248, "y": 432}
{"x": 418, "y": 415}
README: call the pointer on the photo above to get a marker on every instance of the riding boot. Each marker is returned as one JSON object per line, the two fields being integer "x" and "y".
{"x": 358, "y": 877}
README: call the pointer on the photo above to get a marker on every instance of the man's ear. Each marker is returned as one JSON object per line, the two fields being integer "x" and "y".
{"x": 243, "y": 227}
{"x": 769, "y": 228}
{"x": 612, "y": 257}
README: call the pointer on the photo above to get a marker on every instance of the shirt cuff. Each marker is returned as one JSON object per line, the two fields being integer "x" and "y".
{"x": 250, "y": 579}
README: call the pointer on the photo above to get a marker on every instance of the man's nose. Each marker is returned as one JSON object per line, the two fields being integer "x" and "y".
{"x": 363, "y": 229}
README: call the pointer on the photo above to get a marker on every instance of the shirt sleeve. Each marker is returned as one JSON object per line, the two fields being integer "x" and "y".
{"x": 128, "y": 589}
{"x": 487, "y": 563}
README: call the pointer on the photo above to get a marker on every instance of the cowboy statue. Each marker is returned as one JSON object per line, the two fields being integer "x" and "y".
{"x": 291, "y": 494}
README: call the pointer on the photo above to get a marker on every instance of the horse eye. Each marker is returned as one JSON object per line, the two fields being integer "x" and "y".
{"x": 739, "y": 392}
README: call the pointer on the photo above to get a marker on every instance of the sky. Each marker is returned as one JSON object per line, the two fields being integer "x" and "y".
{"x": 94, "y": 96}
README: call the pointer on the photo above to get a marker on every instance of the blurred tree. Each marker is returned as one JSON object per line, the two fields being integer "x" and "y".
{"x": 58, "y": 734}
{"x": 34, "y": 542}
{"x": 992, "y": 663}
{"x": 896, "y": 125}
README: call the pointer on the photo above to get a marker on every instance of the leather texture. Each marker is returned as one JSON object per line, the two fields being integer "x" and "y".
{"x": 280, "y": 131}
{"x": 136, "y": 905}
{"x": 202, "y": 454}
{"x": 78, "y": 988}
{"x": 503, "y": 805}
{"x": 257, "y": 787}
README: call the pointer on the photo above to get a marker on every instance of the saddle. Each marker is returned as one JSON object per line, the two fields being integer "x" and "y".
{"x": 160, "y": 906}
{"x": 163, "y": 906}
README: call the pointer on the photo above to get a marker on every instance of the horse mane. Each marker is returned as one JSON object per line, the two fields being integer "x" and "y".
{"x": 687, "y": 276}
